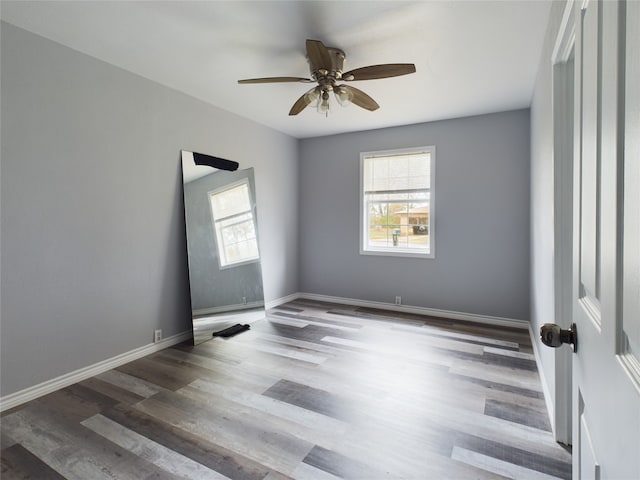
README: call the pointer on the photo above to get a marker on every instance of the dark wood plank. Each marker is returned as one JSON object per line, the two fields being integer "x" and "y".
{"x": 199, "y": 449}
{"x": 114, "y": 392}
{"x": 340, "y": 465}
{"x": 171, "y": 377}
{"x": 313, "y": 399}
{"x": 518, "y": 414}
{"x": 18, "y": 463}
{"x": 507, "y": 453}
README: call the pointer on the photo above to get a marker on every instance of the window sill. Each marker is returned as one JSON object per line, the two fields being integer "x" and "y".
{"x": 397, "y": 252}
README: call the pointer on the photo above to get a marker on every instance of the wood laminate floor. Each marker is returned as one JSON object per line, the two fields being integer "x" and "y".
{"x": 314, "y": 391}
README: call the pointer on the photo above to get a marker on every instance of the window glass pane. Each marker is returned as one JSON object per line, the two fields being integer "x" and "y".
{"x": 419, "y": 240}
{"x": 238, "y": 234}
{"x": 231, "y": 202}
{"x": 381, "y": 237}
{"x": 227, "y": 235}
{"x": 232, "y": 255}
{"x": 399, "y": 235}
{"x": 378, "y": 213}
{"x": 396, "y": 213}
{"x": 247, "y": 230}
{"x": 238, "y": 252}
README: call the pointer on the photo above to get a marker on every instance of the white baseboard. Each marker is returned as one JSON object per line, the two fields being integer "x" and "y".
{"x": 281, "y": 300}
{"x": 226, "y": 308}
{"x": 469, "y": 317}
{"x": 44, "y": 388}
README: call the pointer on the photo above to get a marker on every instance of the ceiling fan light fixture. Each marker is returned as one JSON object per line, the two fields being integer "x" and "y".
{"x": 312, "y": 95}
{"x": 343, "y": 95}
{"x": 323, "y": 104}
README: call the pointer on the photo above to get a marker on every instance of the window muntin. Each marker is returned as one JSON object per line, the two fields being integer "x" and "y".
{"x": 397, "y": 202}
{"x": 234, "y": 225}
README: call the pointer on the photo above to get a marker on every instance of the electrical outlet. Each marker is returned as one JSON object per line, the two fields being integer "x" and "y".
{"x": 157, "y": 336}
{"x": 398, "y": 300}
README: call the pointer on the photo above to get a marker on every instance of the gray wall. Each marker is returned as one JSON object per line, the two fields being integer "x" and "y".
{"x": 210, "y": 285}
{"x": 542, "y": 196}
{"x": 481, "y": 263}
{"x": 93, "y": 242}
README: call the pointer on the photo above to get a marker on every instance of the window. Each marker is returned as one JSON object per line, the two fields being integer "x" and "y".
{"x": 397, "y": 202}
{"x": 234, "y": 225}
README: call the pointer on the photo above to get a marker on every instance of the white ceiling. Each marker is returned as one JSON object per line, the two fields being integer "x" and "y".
{"x": 471, "y": 57}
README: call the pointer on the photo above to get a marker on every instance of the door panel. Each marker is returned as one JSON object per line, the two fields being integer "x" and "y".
{"x": 606, "y": 283}
{"x": 589, "y": 468}
{"x": 589, "y": 187}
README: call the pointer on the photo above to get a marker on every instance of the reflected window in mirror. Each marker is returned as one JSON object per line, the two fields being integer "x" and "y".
{"x": 234, "y": 224}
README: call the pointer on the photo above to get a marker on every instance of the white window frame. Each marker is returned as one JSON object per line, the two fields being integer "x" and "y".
{"x": 214, "y": 221}
{"x": 366, "y": 249}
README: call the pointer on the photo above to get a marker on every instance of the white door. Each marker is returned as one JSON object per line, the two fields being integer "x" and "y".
{"x": 606, "y": 265}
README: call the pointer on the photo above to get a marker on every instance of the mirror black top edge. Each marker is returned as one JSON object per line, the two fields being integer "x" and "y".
{"x": 214, "y": 162}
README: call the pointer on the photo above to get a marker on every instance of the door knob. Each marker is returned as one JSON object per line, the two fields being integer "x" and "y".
{"x": 554, "y": 336}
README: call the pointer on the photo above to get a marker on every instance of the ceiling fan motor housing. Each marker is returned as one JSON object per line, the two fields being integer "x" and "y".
{"x": 327, "y": 78}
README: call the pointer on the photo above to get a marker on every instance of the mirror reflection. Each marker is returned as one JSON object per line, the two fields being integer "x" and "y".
{"x": 225, "y": 273}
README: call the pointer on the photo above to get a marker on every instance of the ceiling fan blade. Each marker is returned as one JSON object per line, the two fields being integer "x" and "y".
{"x": 379, "y": 71}
{"x": 319, "y": 56}
{"x": 276, "y": 80}
{"x": 361, "y": 99}
{"x": 304, "y": 100}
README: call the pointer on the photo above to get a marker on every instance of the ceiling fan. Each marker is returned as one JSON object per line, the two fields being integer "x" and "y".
{"x": 325, "y": 65}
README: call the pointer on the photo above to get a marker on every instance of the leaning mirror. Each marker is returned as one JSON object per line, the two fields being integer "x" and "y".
{"x": 223, "y": 252}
